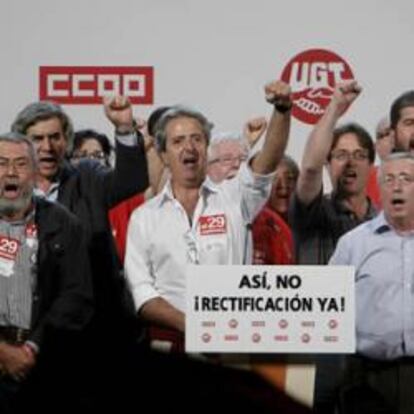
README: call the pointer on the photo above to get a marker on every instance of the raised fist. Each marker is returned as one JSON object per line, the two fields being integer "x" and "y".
{"x": 344, "y": 95}
{"x": 118, "y": 110}
{"x": 253, "y": 129}
{"x": 278, "y": 93}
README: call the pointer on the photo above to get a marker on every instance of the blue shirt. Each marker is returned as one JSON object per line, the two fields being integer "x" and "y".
{"x": 384, "y": 271}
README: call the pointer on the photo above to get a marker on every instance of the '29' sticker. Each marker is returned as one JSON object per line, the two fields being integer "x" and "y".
{"x": 215, "y": 224}
{"x": 8, "y": 248}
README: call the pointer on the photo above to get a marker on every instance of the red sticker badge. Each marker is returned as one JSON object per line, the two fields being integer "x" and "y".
{"x": 215, "y": 224}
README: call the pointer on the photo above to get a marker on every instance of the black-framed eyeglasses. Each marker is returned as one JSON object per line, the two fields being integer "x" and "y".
{"x": 342, "y": 156}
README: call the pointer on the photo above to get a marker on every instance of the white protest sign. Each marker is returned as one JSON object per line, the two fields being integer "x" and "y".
{"x": 287, "y": 309}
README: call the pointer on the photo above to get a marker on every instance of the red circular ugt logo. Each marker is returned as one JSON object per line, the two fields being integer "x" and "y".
{"x": 312, "y": 75}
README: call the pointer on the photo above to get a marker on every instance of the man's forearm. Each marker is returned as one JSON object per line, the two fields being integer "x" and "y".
{"x": 320, "y": 140}
{"x": 277, "y": 94}
{"x": 277, "y": 134}
{"x": 159, "y": 312}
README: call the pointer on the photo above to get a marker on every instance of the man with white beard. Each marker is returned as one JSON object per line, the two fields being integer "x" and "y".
{"x": 45, "y": 290}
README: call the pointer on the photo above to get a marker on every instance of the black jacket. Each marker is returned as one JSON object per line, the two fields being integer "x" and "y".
{"x": 90, "y": 191}
{"x": 62, "y": 299}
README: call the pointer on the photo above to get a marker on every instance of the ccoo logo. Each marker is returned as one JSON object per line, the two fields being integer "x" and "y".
{"x": 88, "y": 84}
{"x": 312, "y": 75}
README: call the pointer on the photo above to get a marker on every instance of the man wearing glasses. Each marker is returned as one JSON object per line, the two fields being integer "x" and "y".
{"x": 45, "y": 288}
{"x": 226, "y": 154}
{"x": 89, "y": 191}
{"x": 317, "y": 219}
{"x": 348, "y": 152}
{"x": 381, "y": 375}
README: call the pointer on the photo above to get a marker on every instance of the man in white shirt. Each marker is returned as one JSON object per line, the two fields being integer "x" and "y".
{"x": 193, "y": 220}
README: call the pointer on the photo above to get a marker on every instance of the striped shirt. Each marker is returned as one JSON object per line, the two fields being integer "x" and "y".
{"x": 18, "y": 255}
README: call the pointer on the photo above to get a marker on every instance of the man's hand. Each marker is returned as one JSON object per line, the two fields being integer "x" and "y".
{"x": 266, "y": 160}
{"x": 278, "y": 93}
{"x": 344, "y": 95}
{"x": 140, "y": 125}
{"x": 16, "y": 361}
{"x": 253, "y": 129}
{"x": 118, "y": 110}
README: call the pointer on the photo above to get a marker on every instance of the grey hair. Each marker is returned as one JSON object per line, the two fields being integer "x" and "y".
{"x": 223, "y": 137}
{"x": 42, "y": 111}
{"x": 17, "y": 138}
{"x": 291, "y": 163}
{"x": 392, "y": 157}
{"x": 179, "y": 111}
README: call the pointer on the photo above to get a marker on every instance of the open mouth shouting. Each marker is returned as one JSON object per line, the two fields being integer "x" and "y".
{"x": 190, "y": 161}
{"x": 398, "y": 202}
{"x": 48, "y": 161}
{"x": 282, "y": 193}
{"x": 349, "y": 176}
{"x": 411, "y": 145}
{"x": 48, "y": 164}
{"x": 11, "y": 190}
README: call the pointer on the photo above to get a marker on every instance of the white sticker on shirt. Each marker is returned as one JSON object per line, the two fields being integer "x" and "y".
{"x": 31, "y": 235}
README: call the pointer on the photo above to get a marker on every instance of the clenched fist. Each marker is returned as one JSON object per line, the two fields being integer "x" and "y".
{"x": 344, "y": 95}
{"x": 278, "y": 93}
{"x": 253, "y": 129}
{"x": 118, "y": 110}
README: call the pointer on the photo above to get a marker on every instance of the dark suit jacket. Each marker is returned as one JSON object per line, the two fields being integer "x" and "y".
{"x": 89, "y": 191}
{"x": 62, "y": 299}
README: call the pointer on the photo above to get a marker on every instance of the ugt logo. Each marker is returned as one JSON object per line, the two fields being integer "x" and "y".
{"x": 88, "y": 84}
{"x": 312, "y": 75}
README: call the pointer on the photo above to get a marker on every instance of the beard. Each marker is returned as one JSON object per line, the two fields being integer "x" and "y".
{"x": 9, "y": 208}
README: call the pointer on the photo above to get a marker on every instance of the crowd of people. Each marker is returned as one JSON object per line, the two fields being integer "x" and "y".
{"x": 95, "y": 239}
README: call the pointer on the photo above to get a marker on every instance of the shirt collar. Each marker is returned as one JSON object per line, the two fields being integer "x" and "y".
{"x": 167, "y": 194}
{"x": 51, "y": 194}
{"x": 379, "y": 224}
{"x": 341, "y": 207}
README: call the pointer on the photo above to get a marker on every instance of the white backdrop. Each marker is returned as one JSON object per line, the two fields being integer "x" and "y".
{"x": 214, "y": 54}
